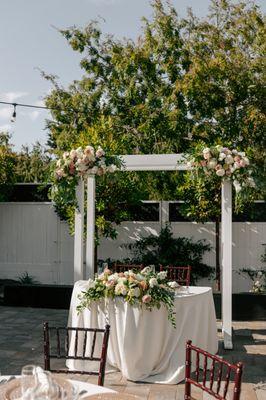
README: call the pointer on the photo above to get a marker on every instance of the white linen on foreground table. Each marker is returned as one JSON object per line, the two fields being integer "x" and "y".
{"x": 88, "y": 387}
{"x": 143, "y": 345}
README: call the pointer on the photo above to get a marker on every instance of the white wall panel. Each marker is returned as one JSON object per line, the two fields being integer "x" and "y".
{"x": 33, "y": 239}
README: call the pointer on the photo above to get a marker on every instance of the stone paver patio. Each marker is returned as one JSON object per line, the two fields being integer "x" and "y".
{"x": 21, "y": 343}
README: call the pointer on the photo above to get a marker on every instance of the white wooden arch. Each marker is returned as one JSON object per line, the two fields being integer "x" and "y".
{"x": 155, "y": 162}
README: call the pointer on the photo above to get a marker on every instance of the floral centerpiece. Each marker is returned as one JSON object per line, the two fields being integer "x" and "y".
{"x": 224, "y": 163}
{"x": 142, "y": 289}
{"x": 82, "y": 163}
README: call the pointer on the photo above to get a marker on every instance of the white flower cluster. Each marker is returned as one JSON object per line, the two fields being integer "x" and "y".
{"x": 83, "y": 163}
{"x": 225, "y": 163}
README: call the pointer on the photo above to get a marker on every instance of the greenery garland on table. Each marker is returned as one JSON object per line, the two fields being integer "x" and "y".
{"x": 218, "y": 162}
{"x": 142, "y": 289}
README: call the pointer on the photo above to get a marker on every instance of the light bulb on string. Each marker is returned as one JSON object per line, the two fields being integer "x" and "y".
{"x": 14, "y": 115}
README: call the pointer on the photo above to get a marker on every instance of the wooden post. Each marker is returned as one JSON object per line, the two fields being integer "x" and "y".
{"x": 226, "y": 228}
{"x": 90, "y": 227}
{"x": 78, "y": 238}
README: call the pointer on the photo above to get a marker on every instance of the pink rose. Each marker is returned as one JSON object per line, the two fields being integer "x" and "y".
{"x": 146, "y": 298}
{"x": 107, "y": 271}
{"x": 110, "y": 283}
{"x": 72, "y": 168}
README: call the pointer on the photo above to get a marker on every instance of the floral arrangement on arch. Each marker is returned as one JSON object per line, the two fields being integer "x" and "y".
{"x": 83, "y": 163}
{"x": 144, "y": 288}
{"x": 225, "y": 163}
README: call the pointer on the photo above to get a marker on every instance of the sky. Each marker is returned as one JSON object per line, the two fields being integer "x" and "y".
{"x": 30, "y": 42}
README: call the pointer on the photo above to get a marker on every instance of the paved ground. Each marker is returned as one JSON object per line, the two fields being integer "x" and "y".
{"x": 21, "y": 343}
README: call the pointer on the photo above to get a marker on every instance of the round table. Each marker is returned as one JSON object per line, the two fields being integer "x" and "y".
{"x": 143, "y": 344}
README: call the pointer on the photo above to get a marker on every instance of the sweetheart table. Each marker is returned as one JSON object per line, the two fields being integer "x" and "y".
{"x": 143, "y": 344}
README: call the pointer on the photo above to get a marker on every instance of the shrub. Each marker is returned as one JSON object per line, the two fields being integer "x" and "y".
{"x": 165, "y": 249}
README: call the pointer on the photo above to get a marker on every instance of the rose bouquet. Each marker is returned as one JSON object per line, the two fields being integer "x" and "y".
{"x": 82, "y": 163}
{"x": 144, "y": 288}
{"x": 222, "y": 162}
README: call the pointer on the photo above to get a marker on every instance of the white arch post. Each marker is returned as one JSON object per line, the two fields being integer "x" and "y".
{"x": 157, "y": 162}
{"x": 78, "y": 238}
{"x": 226, "y": 236}
{"x": 90, "y": 246}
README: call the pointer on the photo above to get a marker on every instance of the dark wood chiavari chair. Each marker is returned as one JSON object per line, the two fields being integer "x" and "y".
{"x": 179, "y": 274}
{"x": 216, "y": 386}
{"x": 126, "y": 267}
{"x": 56, "y": 346}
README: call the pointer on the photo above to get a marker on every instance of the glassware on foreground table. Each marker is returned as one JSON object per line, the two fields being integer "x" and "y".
{"x": 47, "y": 387}
{"x": 28, "y": 379}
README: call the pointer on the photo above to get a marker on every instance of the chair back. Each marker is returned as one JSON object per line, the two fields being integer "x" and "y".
{"x": 216, "y": 381}
{"x": 126, "y": 267}
{"x": 179, "y": 274}
{"x": 57, "y": 346}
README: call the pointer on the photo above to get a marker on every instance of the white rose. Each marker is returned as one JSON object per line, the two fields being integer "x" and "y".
{"x": 79, "y": 152}
{"x": 81, "y": 166}
{"x": 246, "y": 160}
{"x": 212, "y": 163}
{"x": 60, "y": 173}
{"x": 229, "y": 159}
{"x": 237, "y": 186}
{"x": 111, "y": 168}
{"x": 242, "y": 153}
{"x": 89, "y": 150}
{"x": 220, "y": 172}
{"x": 100, "y": 152}
{"x": 139, "y": 277}
{"x": 113, "y": 277}
{"x": 153, "y": 282}
{"x": 251, "y": 182}
{"x": 120, "y": 289}
{"x": 206, "y": 156}
{"x": 222, "y": 156}
{"x": 162, "y": 274}
{"x": 206, "y": 150}
{"x": 90, "y": 157}
{"x": 136, "y": 292}
{"x": 173, "y": 284}
{"x": 73, "y": 154}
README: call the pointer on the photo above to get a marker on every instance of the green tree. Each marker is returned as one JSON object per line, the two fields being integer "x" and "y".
{"x": 33, "y": 164}
{"x": 181, "y": 81}
{"x": 7, "y": 166}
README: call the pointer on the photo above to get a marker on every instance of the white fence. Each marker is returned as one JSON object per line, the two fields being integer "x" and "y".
{"x": 34, "y": 240}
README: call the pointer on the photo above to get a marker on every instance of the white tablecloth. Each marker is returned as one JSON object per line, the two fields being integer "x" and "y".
{"x": 143, "y": 344}
{"x": 82, "y": 386}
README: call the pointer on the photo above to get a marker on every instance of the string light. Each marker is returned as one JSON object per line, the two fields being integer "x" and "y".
{"x": 14, "y": 115}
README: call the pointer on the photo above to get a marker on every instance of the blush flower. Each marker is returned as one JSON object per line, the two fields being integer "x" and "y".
{"x": 146, "y": 298}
